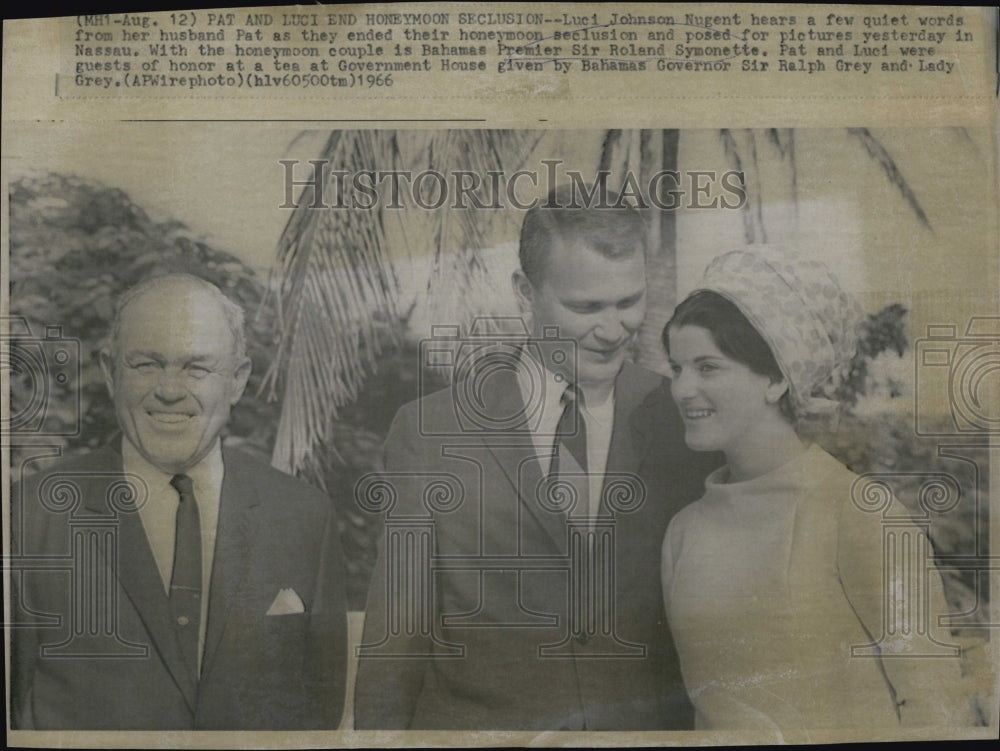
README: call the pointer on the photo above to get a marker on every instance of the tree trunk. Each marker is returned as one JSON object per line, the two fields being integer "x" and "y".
{"x": 659, "y": 153}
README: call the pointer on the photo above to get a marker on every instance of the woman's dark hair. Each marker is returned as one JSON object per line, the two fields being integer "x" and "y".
{"x": 733, "y": 334}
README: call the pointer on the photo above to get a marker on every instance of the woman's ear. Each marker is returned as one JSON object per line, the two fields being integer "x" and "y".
{"x": 523, "y": 291}
{"x": 775, "y": 391}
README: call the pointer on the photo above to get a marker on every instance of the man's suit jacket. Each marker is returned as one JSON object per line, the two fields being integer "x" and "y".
{"x": 258, "y": 671}
{"x": 499, "y": 654}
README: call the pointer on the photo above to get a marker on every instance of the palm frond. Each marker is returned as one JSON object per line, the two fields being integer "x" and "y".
{"x": 882, "y": 157}
{"x": 611, "y": 139}
{"x": 793, "y": 167}
{"x": 758, "y": 190}
{"x": 783, "y": 139}
{"x": 750, "y": 207}
{"x": 334, "y": 291}
{"x": 461, "y": 286}
{"x": 659, "y": 152}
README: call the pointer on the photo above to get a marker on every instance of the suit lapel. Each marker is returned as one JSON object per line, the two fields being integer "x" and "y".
{"x": 515, "y": 452}
{"x": 516, "y": 455}
{"x": 237, "y": 528}
{"x": 629, "y": 434}
{"x": 137, "y": 571}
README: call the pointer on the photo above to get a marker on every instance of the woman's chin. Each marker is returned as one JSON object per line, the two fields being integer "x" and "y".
{"x": 700, "y": 443}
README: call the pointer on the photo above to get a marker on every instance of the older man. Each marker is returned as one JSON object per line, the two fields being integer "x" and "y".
{"x": 537, "y": 604}
{"x": 212, "y": 594}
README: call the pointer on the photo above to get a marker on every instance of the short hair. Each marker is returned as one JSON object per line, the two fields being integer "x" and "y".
{"x": 615, "y": 231}
{"x": 231, "y": 311}
{"x": 733, "y": 334}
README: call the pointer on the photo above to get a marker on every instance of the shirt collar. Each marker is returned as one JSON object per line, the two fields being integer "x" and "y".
{"x": 206, "y": 475}
{"x": 604, "y": 412}
{"x": 527, "y": 380}
{"x": 555, "y": 385}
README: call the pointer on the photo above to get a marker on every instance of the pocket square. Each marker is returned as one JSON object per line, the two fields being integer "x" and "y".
{"x": 286, "y": 603}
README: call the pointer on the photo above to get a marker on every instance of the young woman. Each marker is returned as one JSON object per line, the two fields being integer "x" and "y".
{"x": 773, "y": 580}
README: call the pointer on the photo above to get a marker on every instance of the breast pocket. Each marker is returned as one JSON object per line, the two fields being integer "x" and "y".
{"x": 283, "y": 636}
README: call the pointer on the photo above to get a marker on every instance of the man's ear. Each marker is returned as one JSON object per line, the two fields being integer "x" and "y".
{"x": 523, "y": 290}
{"x": 240, "y": 378}
{"x": 775, "y": 390}
{"x": 108, "y": 370}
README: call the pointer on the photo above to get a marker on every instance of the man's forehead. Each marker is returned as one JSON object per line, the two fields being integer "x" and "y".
{"x": 583, "y": 271}
{"x": 575, "y": 243}
{"x": 176, "y": 313}
{"x": 175, "y": 291}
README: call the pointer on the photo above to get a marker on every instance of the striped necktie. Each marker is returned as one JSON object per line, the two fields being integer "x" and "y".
{"x": 571, "y": 432}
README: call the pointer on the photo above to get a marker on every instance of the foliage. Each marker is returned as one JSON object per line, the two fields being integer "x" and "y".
{"x": 75, "y": 246}
{"x": 876, "y": 435}
{"x": 357, "y": 438}
{"x": 881, "y": 332}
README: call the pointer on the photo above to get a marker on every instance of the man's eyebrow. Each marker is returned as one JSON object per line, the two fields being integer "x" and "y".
{"x": 135, "y": 353}
{"x": 597, "y": 301}
{"x": 159, "y": 357}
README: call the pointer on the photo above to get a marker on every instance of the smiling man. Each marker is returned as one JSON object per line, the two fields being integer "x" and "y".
{"x": 215, "y": 600}
{"x": 541, "y": 605}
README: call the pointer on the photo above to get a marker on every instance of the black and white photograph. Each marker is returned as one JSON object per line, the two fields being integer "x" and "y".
{"x": 332, "y": 426}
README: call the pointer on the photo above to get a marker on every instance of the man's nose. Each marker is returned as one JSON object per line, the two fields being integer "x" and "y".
{"x": 170, "y": 387}
{"x": 611, "y": 327}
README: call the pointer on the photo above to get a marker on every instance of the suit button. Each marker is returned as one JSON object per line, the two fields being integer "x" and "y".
{"x": 183, "y": 620}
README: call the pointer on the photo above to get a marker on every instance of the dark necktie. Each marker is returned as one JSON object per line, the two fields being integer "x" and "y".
{"x": 185, "y": 581}
{"x": 571, "y": 432}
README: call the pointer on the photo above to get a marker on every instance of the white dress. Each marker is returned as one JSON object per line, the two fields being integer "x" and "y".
{"x": 761, "y": 620}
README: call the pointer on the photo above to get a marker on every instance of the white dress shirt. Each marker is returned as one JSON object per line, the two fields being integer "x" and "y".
{"x": 159, "y": 516}
{"x": 598, "y": 419}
